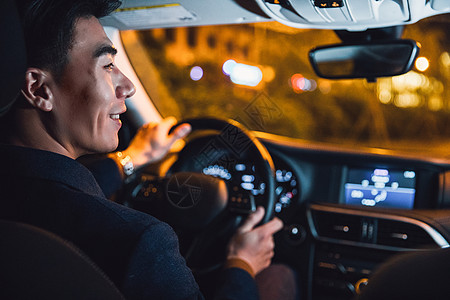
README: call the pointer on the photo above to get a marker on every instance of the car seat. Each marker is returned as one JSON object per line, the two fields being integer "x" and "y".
{"x": 12, "y": 52}
{"x": 36, "y": 264}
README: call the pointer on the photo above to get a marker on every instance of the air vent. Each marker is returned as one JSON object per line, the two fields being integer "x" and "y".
{"x": 338, "y": 226}
{"x": 372, "y": 229}
{"x": 403, "y": 235}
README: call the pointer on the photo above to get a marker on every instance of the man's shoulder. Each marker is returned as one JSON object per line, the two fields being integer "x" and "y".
{"x": 101, "y": 209}
{"x": 28, "y": 164}
{"x": 47, "y": 201}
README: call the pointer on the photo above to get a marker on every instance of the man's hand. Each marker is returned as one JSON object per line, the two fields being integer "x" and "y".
{"x": 255, "y": 245}
{"x": 153, "y": 141}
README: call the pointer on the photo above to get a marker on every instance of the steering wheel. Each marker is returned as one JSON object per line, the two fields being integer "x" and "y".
{"x": 206, "y": 222}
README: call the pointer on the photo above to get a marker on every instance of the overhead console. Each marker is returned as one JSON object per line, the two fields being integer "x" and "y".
{"x": 350, "y": 14}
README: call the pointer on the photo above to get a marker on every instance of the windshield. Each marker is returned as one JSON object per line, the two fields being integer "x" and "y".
{"x": 259, "y": 75}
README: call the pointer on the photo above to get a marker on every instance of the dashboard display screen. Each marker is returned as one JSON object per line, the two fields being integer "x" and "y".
{"x": 381, "y": 188}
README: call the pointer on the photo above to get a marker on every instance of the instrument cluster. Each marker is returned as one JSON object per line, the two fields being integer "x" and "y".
{"x": 242, "y": 177}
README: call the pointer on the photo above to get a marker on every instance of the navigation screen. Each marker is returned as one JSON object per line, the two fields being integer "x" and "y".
{"x": 380, "y": 188}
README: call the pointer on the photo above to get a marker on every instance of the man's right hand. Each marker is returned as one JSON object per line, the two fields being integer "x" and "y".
{"x": 254, "y": 245}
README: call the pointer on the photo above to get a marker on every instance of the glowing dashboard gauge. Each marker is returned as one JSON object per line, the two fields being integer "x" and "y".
{"x": 287, "y": 189}
{"x": 242, "y": 177}
{"x": 217, "y": 171}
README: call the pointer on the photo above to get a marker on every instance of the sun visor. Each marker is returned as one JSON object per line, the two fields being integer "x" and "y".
{"x": 154, "y": 16}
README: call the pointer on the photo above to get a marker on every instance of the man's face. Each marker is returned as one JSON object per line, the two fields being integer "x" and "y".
{"x": 91, "y": 93}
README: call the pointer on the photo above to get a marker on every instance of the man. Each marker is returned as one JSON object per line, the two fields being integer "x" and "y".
{"x": 70, "y": 106}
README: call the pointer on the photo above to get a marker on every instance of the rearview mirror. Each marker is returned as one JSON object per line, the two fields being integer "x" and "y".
{"x": 364, "y": 60}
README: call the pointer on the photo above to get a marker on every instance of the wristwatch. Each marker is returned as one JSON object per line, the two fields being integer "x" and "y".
{"x": 126, "y": 163}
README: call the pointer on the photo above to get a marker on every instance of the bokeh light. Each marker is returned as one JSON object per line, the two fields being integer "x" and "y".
{"x": 196, "y": 73}
{"x": 301, "y": 84}
{"x": 228, "y": 66}
{"x": 246, "y": 75}
{"x": 242, "y": 74}
{"x": 422, "y": 64}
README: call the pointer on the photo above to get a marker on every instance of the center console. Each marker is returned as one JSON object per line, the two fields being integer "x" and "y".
{"x": 351, "y": 241}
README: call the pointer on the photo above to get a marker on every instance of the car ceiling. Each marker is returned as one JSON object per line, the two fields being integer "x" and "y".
{"x": 355, "y": 15}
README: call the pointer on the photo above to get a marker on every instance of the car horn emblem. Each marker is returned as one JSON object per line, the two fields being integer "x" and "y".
{"x": 184, "y": 191}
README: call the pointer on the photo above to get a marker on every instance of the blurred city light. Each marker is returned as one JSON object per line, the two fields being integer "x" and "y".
{"x": 324, "y": 86}
{"x": 242, "y": 74}
{"x": 228, "y": 66}
{"x": 196, "y": 73}
{"x": 410, "y": 81}
{"x": 435, "y": 103}
{"x": 385, "y": 96}
{"x": 298, "y": 82}
{"x": 246, "y": 75}
{"x": 301, "y": 84}
{"x": 422, "y": 64}
{"x": 411, "y": 90}
{"x": 445, "y": 59}
{"x": 268, "y": 73}
{"x": 407, "y": 100}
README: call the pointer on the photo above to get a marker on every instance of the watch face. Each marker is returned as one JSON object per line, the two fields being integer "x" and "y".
{"x": 128, "y": 168}
{"x": 126, "y": 162}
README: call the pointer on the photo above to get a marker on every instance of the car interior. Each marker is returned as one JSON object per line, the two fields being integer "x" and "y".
{"x": 321, "y": 111}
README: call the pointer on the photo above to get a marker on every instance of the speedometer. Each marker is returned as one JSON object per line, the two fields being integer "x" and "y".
{"x": 244, "y": 185}
{"x": 241, "y": 175}
{"x": 244, "y": 182}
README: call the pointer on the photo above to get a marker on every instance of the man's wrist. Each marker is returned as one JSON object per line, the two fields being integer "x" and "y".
{"x": 124, "y": 162}
{"x": 236, "y": 262}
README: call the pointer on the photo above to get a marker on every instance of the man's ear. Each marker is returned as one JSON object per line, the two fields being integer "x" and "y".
{"x": 37, "y": 89}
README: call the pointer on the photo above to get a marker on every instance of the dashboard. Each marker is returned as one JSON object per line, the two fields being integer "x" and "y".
{"x": 354, "y": 210}
{"x": 364, "y": 179}
{"x": 344, "y": 211}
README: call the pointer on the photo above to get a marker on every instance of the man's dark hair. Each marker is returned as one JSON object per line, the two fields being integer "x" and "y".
{"x": 48, "y": 28}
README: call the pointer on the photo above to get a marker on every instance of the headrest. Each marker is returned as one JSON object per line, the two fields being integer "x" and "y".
{"x": 12, "y": 54}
